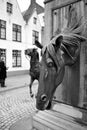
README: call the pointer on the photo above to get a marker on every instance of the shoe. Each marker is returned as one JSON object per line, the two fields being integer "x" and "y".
{"x": 4, "y": 86}
{"x": 31, "y": 95}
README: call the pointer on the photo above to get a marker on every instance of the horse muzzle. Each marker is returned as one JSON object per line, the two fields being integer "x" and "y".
{"x": 43, "y": 105}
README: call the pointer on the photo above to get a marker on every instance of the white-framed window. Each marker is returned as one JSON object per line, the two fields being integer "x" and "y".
{"x": 9, "y": 7}
{"x": 2, "y": 29}
{"x": 35, "y": 20}
{"x": 3, "y": 55}
{"x": 16, "y": 58}
{"x": 16, "y": 32}
{"x": 35, "y": 35}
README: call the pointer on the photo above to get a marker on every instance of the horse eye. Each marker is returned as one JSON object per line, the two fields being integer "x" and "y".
{"x": 50, "y": 64}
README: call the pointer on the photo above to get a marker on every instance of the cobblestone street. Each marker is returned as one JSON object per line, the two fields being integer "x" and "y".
{"x": 15, "y": 105}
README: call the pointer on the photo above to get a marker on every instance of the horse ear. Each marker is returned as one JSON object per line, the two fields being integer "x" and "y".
{"x": 38, "y": 44}
{"x": 58, "y": 42}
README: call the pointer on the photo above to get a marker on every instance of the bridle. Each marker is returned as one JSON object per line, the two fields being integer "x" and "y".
{"x": 27, "y": 57}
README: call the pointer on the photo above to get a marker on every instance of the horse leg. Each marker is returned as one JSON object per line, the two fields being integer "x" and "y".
{"x": 30, "y": 86}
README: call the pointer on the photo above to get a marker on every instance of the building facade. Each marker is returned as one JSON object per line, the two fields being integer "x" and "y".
{"x": 73, "y": 90}
{"x": 16, "y": 35}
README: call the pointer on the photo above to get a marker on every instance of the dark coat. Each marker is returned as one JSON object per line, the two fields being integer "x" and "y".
{"x": 3, "y": 73}
{"x": 34, "y": 65}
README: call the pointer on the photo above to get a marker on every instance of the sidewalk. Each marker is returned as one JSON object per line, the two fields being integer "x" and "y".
{"x": 17, "y": 110}
{"x": 15, "y": 82}
{"x": 23, "y": 124}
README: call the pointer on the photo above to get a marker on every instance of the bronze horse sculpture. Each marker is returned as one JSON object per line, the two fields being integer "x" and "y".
{"x": 34, "y": 66}
{"x": 63, "y": 50}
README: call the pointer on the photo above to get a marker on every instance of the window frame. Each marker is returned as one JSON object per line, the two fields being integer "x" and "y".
{"x": 3, "y": 54}
{"x": 2, "y": 26}
{"x": 9, "y": 8}
{"x": 35, "y": 36}
{"x": 34, "y": 20}
{"x": 15, "y": 55}
{"x": 16, "y": 29}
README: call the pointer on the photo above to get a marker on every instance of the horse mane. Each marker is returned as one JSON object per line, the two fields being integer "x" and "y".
{"x": 75, "y": 28}
{"x": 72, "y": 35}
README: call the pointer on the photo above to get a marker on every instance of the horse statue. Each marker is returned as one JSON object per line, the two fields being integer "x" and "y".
{"x": 34, "y": 66}
{"x": 63, "y": 50}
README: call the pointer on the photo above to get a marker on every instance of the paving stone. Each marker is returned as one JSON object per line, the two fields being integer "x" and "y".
{"x": 14, "y": 107}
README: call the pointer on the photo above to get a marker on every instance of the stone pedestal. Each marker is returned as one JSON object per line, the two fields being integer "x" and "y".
{"x": 60, "y": 118}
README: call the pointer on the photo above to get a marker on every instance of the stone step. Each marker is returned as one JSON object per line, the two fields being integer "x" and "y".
{"x": 62, "y": 116}
{"x": 42, "y": 124}
{"x": 49, "y": 120}
{"x": 68, "y": 110}
{"x": 78, "y": 114}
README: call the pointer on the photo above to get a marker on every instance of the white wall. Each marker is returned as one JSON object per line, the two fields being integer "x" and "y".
{"x": 17, "y": 18}
{"x": 31, "y": 26}
{"x": 41, "y": 18}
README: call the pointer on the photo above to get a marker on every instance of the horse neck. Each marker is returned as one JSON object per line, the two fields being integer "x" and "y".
{"x": 33, "y": 61}
{"x": 34, "y": 58}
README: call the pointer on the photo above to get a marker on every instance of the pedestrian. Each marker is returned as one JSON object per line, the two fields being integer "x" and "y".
{"x": 3, "y": 73}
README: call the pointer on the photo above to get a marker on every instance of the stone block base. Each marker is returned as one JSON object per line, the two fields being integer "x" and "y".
{"x": 52, "y": 120}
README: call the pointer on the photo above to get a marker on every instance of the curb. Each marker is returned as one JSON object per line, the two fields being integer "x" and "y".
{"x": 16, "y": 87}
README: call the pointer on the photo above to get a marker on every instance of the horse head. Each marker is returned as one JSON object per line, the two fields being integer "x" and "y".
{"x": 63, "y": 49}
{"x": 50, "y": 69}
{"x": 29, "y": 51}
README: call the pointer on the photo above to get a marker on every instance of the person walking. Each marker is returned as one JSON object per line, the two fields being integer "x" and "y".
{"x": 3, "y": 73}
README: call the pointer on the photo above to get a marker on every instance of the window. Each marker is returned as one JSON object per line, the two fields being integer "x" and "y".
{"x": 16, "y": 33}
{"x": 16, "y": 56}
{"x": 35, "y": 36}
{"x": 9, "y": 7}
{"x": 2, "y": 29}
{"x": 35, "y": 20}
{"x": 3, "y": 55}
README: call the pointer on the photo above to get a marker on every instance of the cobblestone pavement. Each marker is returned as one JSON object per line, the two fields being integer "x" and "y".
{"x": 15, "y": 105}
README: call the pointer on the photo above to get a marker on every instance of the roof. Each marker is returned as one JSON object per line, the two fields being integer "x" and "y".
{"x": 26, "y": 14}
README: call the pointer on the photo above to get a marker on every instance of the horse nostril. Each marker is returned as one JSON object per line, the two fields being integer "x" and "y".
{"x": 43, "y": 97}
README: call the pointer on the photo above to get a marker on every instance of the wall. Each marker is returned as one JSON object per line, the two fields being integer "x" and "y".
{"x": 29, "y": 27}
{"x": 71, "y": 91}
{"x": 8, "y": 44}
{"x": 17, "y": 18}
